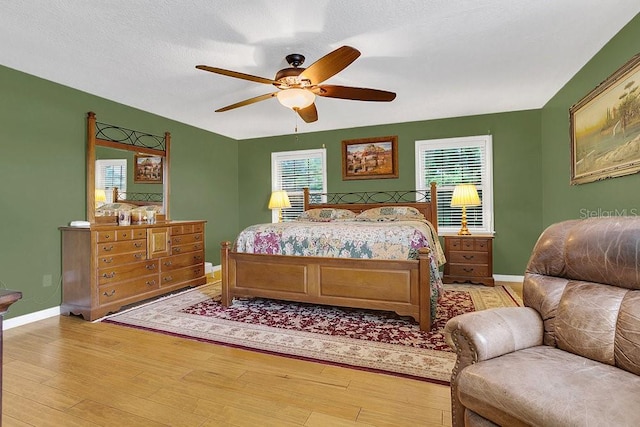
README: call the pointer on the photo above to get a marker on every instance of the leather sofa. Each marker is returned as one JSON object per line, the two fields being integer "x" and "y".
{"x": 571, "y": 356}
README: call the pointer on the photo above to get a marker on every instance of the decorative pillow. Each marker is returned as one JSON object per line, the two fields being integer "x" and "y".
{"x": 155, "y": 208}
{"x": 391, "y": 213}
{"x": 326, "y": 215}
{"x": 115, "y": 207}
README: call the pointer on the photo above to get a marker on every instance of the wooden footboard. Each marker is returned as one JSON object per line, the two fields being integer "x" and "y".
{"x": 402, "y": 286}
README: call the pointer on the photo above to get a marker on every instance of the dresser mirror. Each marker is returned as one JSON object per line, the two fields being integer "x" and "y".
{"x": 143, "y": 158}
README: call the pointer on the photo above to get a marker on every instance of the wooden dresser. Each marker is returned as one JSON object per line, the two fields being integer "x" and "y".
{"x": 469, "y": 259}
{"x": 106, "y": 267}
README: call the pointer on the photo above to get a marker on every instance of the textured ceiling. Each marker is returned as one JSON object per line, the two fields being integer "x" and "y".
{"x": 443, "y": 58}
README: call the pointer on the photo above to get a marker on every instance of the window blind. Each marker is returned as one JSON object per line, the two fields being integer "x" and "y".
{"x": 294, "y": 170}
{"x": 453, "y": 161}
{"x": 111, "y": 173}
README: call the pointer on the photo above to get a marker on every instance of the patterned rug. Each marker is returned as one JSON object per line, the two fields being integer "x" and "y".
{"x": 363, "y": 339}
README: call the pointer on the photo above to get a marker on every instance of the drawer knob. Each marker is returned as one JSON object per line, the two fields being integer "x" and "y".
{"x": 137, "y": 245}
{"x": 151, "y": 282}
{"x": 168, "y": 279}
{"x": 150, "y": 266}
{"x": 109, "y": 275}
{"x": 468, "y": 257}
{"x": 107, "y": 260}
{"x": 197, "y": 257}
{"x": 107, "y": 248}
{"x": 177, "y": 239}
{"x": 168, "y": 263}
{"x": 198, "y": 237}
{"x": 177, "y": 250}
{"x": 109, "y": 294}
{"x": 138, "y": 256}
{"x": 468, "y": 270}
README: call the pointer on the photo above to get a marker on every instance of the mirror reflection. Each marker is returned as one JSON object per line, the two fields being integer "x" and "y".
{"x": 129, "y": 175}
{"x": 126, "y": 166}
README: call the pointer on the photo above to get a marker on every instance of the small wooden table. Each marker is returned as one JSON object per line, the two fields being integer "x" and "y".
{"x": 469, "y": 259}
{"x": 7, "y": 298}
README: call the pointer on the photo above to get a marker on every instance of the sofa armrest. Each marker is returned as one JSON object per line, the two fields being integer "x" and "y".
{"x": 486, "y": 334}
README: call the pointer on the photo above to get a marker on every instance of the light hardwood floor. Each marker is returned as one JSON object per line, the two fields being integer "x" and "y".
{"x": 66, "y": 371}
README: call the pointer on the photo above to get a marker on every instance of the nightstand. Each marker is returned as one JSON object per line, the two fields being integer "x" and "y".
{"x": 469, "y": 259}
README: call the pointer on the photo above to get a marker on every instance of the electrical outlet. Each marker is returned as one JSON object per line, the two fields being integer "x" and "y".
{"x": 47, "y": 280}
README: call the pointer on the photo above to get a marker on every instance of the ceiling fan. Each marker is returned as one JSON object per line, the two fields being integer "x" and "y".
{"x": 298, "y": 87}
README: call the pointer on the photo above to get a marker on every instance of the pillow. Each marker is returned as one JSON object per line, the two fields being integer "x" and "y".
{"x": 326, "y": 215}
{"x": 115, "y": 207}
{"x": 391, "y": 213}
{"x": 156, "y": 208}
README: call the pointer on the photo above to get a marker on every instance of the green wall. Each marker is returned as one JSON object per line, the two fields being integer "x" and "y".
{"x": 42, "y": 170}
{"x": 611, "y": 196}
{"x": 516, "y": 156}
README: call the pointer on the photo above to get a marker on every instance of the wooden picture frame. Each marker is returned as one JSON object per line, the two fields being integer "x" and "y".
{"x": 147, "y": 169}
{"x": 370, "y": 158}
{"x": 605, "y": 128}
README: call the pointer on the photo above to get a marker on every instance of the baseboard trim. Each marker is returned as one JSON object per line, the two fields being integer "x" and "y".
{"x": 507, "y": 278}
{"x": 30, "y": 318}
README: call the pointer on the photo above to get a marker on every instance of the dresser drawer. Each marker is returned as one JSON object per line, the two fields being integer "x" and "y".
{"x": 118, "y": 291}
{"x": 181, "y": 229}
{"x": 468, "y": 244}
{"x": 118, "y": 235}
{"x": 127, "y": 271}
{"x": 181, "y": 275}
{"x": 189, "y": 247}
{"x": 469, "y": 270}
{"x": 180, "y": 261}
{"x": 187, "y": 228}
{"x": 186, "y": 238}
{"x": 468, "y": 257}
{"x": 115, "y": 248}
{"x": 110, "y": 260}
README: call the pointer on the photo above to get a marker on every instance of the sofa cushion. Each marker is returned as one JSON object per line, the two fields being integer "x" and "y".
{"x": 547, "y": 386}
{"x": 586, "y": 320}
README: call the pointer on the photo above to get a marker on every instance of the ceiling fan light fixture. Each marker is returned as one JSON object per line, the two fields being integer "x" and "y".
{"x": 296, "y": 98}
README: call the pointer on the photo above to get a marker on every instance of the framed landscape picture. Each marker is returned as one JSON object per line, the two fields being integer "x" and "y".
{"x": 605, "y": 128}
{"x": 370, "y": 158}
{"x": 148, "y": 169}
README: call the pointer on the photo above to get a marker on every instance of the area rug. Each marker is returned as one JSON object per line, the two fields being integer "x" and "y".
{"x": 362, "y": 339}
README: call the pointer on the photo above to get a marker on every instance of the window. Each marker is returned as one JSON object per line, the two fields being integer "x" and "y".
{"x": 294, "y": 170}
{"x": 111, "y": 173}
{"x": 454, "y": 161}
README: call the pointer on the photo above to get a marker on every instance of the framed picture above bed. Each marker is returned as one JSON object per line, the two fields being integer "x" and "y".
{"x": 605, "y": 127}
{"x": 148, "y": 169}
{"x": 370, "y": 158}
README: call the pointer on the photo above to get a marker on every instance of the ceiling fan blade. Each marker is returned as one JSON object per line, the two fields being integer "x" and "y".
{"x": 247, "y": 102}
{"x": 237, "y": 75}
{"x": 330, "y": 64}
{"x": 354, "y": 93}
{"x": 308, "y": 114}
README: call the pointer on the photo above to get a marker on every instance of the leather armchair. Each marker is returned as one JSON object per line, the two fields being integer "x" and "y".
{"x": 571, "y": 356}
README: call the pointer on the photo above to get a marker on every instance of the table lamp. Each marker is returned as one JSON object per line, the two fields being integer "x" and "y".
{"x": 464, "y": 195}
{"x": 101, "y": 197}
{"x": 279, "y": 199}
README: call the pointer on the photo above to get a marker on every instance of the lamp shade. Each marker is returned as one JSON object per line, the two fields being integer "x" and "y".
{"x": 101, "y": 196}
{"x": 296, "y": 98}
{"x": 465, "y": 195}
{"x": 279, "y": 199}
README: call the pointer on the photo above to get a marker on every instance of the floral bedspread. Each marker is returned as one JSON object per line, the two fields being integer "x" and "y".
{"x": 348, "y": 239}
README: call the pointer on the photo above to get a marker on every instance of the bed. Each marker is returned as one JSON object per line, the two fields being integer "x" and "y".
{"x": 408, "y": 287}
